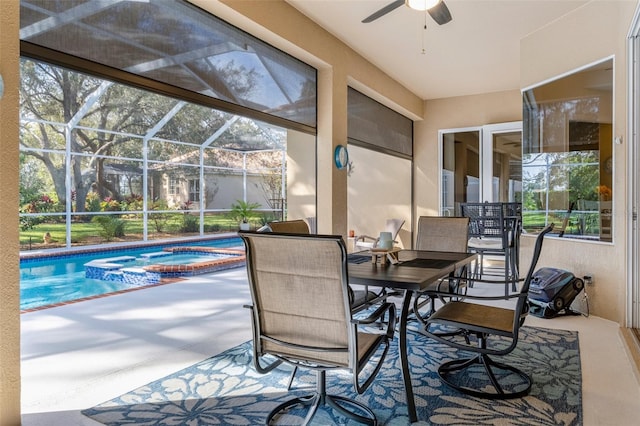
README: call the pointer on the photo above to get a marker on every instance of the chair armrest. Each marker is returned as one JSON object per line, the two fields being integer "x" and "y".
{"x": 365, "y": 237}
{"x": 377, "y": 314}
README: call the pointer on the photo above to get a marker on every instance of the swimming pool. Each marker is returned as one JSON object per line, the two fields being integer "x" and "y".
{"x": 52, "y": 280}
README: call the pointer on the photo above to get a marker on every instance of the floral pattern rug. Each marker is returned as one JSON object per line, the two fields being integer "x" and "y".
{"x": 226, "y": 390}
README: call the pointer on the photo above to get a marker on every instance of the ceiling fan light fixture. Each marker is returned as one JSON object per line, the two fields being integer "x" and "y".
{"x": 421, "y": 5}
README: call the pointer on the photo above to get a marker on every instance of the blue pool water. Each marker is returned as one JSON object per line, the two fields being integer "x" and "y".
{"x": 50, "y": 280}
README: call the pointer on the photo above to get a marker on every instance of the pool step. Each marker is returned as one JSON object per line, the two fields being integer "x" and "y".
{"x": 116, "y": 276}
{"x": 156, "y": 254}
{"x": 110, "y": 261}
{"x": 133, "y": 276}
{"x": 138, "y": 276}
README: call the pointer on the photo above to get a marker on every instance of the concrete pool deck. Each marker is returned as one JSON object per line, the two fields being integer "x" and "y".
{"x": 79, "y": 355}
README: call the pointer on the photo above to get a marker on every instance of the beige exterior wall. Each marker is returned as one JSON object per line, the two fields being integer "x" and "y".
{"x": 301, "y": 183}
{"x": 9, "y": 260}
{"x": 594, "y": 32}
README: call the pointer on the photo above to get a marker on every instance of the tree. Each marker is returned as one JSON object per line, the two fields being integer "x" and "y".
{"x": 57, "y": 95}
{"x": 103, "y": 124}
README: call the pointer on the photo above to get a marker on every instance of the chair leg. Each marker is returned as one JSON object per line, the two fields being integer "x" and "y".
{"x": 417, "y": 304}
{"x": 516, "y": 389}
{"x": 319, "y": 398}
{"x": 312, "y": 400}
{"x": 291, "y": 377}
{"x": 332, "y": 401}
{"x": 447, "y": 370}
{"x": 515, "y": 273}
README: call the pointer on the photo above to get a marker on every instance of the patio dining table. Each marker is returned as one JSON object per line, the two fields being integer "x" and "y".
{"x": 414, "y": 272}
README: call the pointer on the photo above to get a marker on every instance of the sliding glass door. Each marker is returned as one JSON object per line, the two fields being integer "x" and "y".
{"x": 480, "y": 164}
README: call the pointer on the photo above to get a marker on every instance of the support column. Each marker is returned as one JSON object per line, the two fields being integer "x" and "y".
{"x": 9, "y": 199}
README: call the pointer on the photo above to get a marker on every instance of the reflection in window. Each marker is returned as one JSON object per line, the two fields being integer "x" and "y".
{"x": 460, "y": 170}
{"x": 567, "y": 151}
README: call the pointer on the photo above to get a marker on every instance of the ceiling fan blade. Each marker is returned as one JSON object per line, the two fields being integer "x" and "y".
{"x": 440, "y": 13}
{"x": 388, "y": 8}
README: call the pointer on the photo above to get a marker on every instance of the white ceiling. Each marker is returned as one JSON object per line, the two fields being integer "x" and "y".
{"x": 477, "y": 52}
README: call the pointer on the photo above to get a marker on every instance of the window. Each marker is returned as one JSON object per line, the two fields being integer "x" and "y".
{"x": 380, "y": 145}
{"x": 373, "y": 124}
{"x": 567, "y": 154}
{"x": 174, "y": 186}
{"x": 124, "y": 102}
{"x": 480, "y": 164}
{"x": 194, "y": 190}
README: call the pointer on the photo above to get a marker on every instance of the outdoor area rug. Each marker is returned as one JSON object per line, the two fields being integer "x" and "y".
{"x": 226, "y": 390}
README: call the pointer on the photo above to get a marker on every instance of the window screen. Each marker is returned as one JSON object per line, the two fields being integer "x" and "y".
{"x": 374, "y": 124}
{"x": 176, "y": 43}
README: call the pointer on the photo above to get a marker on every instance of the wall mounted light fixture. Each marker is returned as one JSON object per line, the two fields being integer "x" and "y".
{"x": 341, "y": 157}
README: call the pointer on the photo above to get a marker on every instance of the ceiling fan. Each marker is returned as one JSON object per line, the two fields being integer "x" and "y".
{"x": 436, "y": 8}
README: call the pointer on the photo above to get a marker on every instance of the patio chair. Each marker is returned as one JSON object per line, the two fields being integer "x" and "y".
{"x": 494, "y": 233}
{"x": 360, "y": 299}
{"x": 366, "y": 242}
{"x": 301, "y": 315}
{"x": 440, "y": 233}
{"x": 496, "y": 331}
{"x": 296, "y": 226}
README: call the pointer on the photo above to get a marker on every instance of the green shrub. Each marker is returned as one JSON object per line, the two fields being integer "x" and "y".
{"x": 92, "y": 203}
{"x": 112, "y": 227}
{"x": 190, "y": 224}
{"x": 242, "y": 211}
{"x": 159, "y": 220}
{"x": 212, "y": 228}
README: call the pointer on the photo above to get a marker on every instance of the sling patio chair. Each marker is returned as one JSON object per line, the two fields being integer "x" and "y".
{"x": 492, "y": 232}
{"x": 301, "y": 315}
{"x": 295, "y": 226}
{"x": 366, "y": 242}
{"x": 360, "y": 298}
{"x": 441, "y": 233}
{"x": 493, "y": 330}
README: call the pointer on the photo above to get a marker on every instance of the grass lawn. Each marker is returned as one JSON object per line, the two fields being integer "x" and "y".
{"x": 87, "y": 233}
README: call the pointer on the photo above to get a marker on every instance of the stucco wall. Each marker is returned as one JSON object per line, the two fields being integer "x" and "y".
{"x": 301, "y": 176}
{"x": 595, "y": 31}
{"x": 9, "y": 259}
{"x": 591, "y": 33}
